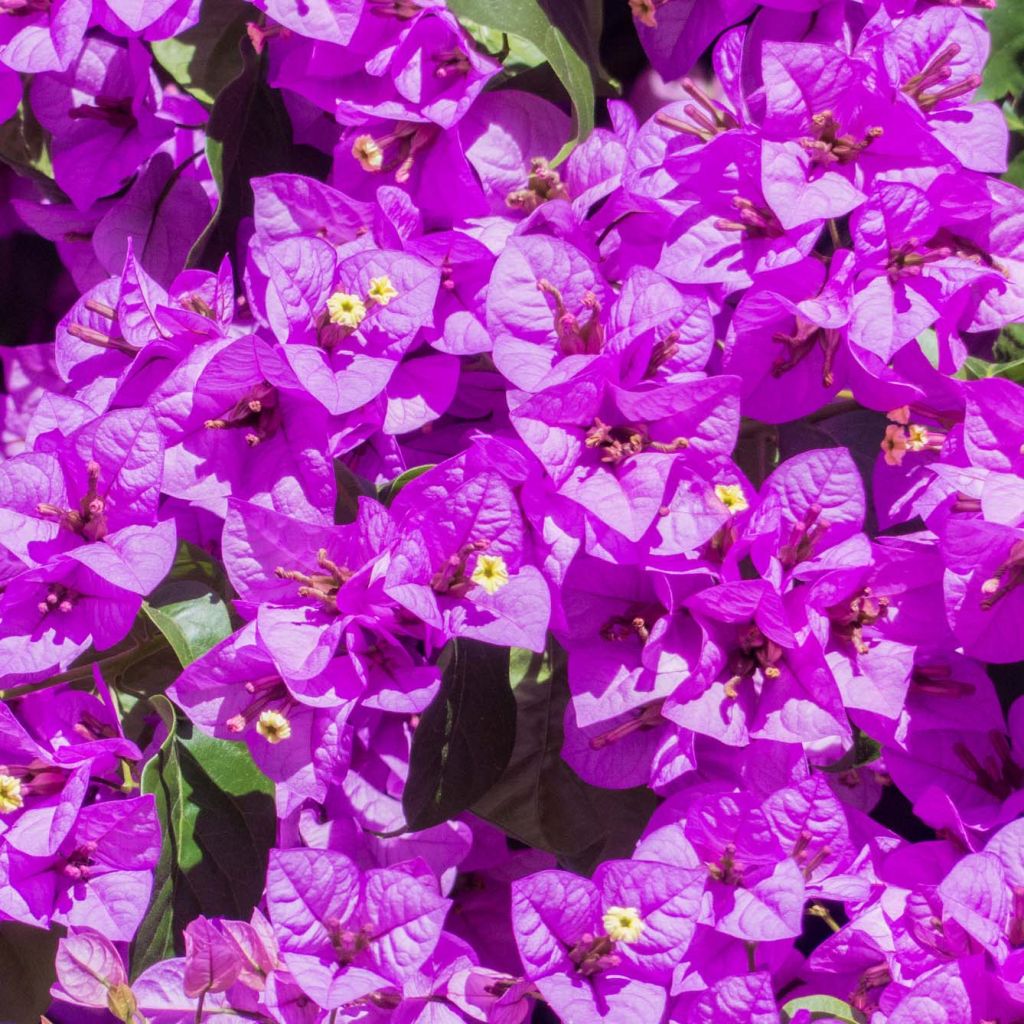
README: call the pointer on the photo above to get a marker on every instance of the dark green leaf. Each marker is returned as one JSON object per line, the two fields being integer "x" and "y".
{"x": 1004, "y": 72}
{"x": 217, "y": 816}
{"x": 561, "y": 30}
{"x": 860, "y": 430}
{"x": 822, "y": 1008}
{"x": 1010, "y": 346}
{"x": 1015, "y": 172}
{"x": 192, "y": 616}
{"x": 25, "y": 147}
{"x": 350, "y": 489}
{"x": 390, "y": 490}
{"x": 204, "y": 58}
{"x": 249, "y": 135}
{"x": 464, "y": 738}
{"x": 976, "y": 369}
{"x": 26, "y": 972}
{"x": 981, "y": 369}
{"x": 757, "y": 451}
{"x": 864, "y": 751}
{"x": 514, "y": 52}
{"x": 539, "y": 799}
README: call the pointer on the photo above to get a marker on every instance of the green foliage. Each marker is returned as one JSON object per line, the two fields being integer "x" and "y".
{"x": 464, "y": 738}
{"x": 562, "y": 31}
{"x": 980, "y": 369}
{"x": 824, "y": 1008}
{"x": 1009, "y": 358}
{"x": 864, "y": 751}
{"x": 860, "y": 430}
{"x": 25, "y": 147}
{"x": 1015, "y": 172}
{"x": 204, "y": 58}
{"x": 1004, "y": 73}
{"x": 539, "y": 799}
{"x": 1010, "y": 346}
{"x": 26, "y": 972}
{"x": 391, "y": 490}
{"x": 350, "y": 489}
{"x": 249, "y": 135}
{"x": 514, "y": 52}
{"x": 191, "y": 615}
{"x": 216, "y": 812}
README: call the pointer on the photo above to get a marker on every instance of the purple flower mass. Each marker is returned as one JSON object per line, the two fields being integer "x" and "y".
{"x": 512, "y": 512}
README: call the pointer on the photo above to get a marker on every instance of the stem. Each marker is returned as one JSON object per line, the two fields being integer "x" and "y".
{"x": 140, "y": 652}
{"x": 752, "y": 428}
{"x": 836, "y": 408}
{"x": 751, "y": 953}
{"x": 820, "y": 910}
{"x": 128, "y": 783}
{"x": 199, "y": 1007}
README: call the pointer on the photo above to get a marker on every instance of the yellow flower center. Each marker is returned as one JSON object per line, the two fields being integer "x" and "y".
{"x": 490, "y": 572}
{"x": 382, "y": 291}
{"x": 10, "y": 794}
{"x": 623, "y": 924}
{"x": 273, "y": 726}
{"x": 346, "y": 310}
{"x": 732, "y": 497}
{"x": 368, "y": 153}
{"x": 918, "y": 437}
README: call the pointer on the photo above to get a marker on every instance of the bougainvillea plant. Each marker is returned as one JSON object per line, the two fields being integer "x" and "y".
{"x": 512, "y": 511}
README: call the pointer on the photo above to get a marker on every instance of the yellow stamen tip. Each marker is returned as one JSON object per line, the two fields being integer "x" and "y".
{"x": 273, "y": 726}
{"x": 382, "y": 291}
{"x": 623, "y": 924}
{"x": 346, "y": 310}
{"x": 10, "y": 794}
{"x": 918, "y": 437}
{"x": 368, "y": 153}
{"x": 490, "y": 572}
{"x": 732, "y": 497}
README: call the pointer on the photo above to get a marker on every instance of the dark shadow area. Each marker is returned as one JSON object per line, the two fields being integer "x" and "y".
{"x": 30, "y": 278}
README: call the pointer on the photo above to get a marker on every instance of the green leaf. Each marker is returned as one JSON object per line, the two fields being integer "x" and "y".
{"x": 391, "y": 490}
{"x": 27, "y": 972}
{"x": 465, "y": 737}
{"x": 204, "y": 58}
{"x": 193, "y": 563}
{"x": 1004, "y": 72}
{"x": 192, "y": 616}
{"x": 928, "y": 342}
{"x": 514, "y": 52}
{"x": 350, "y": 489}
{"x": 216, "y": 812}
{"x": 975, "y": 369}
{"x": 860, "y": 430}
{"x": 1015, "y": 172}
{"x": 25, "y": 147}
{"x": 539, "y": 800}
{"x": 982, "y": 369}
{"x": 822, "y": 1008}
{"x": 1009, "y": 347}
{"x": 249, "y": 135}
{"x": 561, "y": 31}
{"x": 864, "y": 751}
